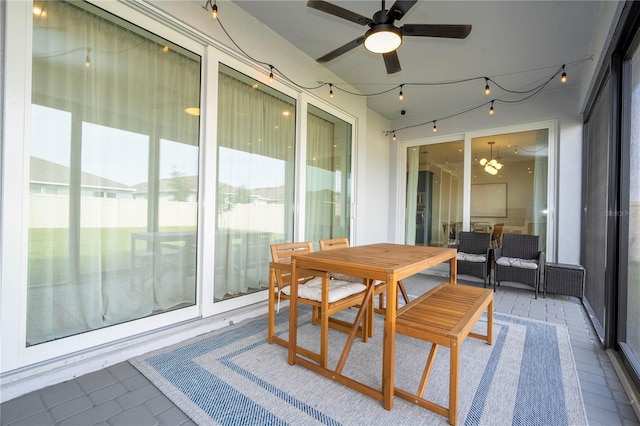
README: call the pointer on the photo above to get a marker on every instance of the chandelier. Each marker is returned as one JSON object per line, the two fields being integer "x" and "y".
{"x": 491, "y": 165}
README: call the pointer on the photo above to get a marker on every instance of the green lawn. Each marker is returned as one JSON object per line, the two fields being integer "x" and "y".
{"x": 101, "y": 249}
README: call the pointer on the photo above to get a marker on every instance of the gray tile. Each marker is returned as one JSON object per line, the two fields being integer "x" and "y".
{"x": 107, "y": 393}
{"x": 159, "y": 404}
{"x": 96, "y": 380}
{"x": 40, "y": 419}
{"x": 93, "y": 416}
{"x": 63, "y": 392}
{"x": 123, "y": 371}
{"x": 135, "y": 382}
{"x": 71, "y": 408}
{"x": 138, "y": 396}
{"x": 174, "y": 416}
{"x": 21, "y": 408}
{"x": 135, "y": 416}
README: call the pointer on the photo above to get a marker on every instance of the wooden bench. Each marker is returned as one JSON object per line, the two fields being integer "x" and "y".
{"x": 444, "y": 316}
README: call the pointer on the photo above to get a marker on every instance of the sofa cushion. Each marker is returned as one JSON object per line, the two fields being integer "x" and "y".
{"x": 517, "y": 262}
{"x": 470, "y": 257}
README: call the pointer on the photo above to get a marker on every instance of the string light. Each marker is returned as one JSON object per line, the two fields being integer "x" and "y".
{"x": 214, "y": 8}
{"x": 435, "y": 129}
{"x": 529, "y": 92}
{"x": 87, "y": 60}
{"x": 394, "y": 136}
{"x": 331, "y": 91}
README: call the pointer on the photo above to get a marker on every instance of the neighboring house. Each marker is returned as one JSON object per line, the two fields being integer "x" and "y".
{"x": 50, "y": 178}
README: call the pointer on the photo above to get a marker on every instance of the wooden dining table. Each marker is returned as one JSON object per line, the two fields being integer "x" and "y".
{"x": 385, "y": 262}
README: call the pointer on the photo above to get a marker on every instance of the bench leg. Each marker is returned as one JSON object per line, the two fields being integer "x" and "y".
{"x": 427, "y": 370}
{"x": 453, "y": 382}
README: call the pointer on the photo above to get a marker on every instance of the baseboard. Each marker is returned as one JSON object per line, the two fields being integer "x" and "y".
{"x": 28, "y": 379}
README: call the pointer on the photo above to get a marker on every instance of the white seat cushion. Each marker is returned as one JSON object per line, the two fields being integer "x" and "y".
{"x": 338, "y": 290}
{"x": 517, "y": 262}
{"x": 470, "y": 257}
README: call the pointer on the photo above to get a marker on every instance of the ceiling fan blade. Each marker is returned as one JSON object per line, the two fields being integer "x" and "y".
{"x": 400, "y": 8}
{"x": 436, "y": 30}
{"x": 392, "y": 62}
{"x": 342, "y": 49}
{"x": 338, "y": 11}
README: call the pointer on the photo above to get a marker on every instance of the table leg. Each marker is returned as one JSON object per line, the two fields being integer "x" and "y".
{"x": 453, "y": 270}
{"x": 389, "y": 342}
{"x": 453, "y": 382}
{"x": 293, "y": 313}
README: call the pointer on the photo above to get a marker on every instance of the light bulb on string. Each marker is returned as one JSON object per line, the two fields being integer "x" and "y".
{"x": 331, "y": 91}
{"x": 487, "y": 89}
{"x": 491, "y": 111}
{"x": 563, "y": 77}
{"x": 87, "y": 60}
{"x": 401, "y": 95}
{"x": 435, "y": 129}
{"x": 271, "y": 74}
{"x": 394, "y": 135}
{"x": 214, "y": 8}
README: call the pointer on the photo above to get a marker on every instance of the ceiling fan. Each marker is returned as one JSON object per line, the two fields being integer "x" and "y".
{"x": 383, "y": 36}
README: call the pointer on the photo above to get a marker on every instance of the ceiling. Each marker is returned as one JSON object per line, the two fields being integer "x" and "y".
{"x": 519, "y": 44}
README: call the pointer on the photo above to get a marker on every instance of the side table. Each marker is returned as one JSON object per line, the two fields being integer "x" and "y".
{"x": 564, "y": 279}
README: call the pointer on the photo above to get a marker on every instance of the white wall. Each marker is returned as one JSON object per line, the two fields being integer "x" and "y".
{"x": 372, "y": 192}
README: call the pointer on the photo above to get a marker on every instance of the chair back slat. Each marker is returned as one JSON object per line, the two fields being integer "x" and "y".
{"x": 333, "y": 243}
{"x": 474, "y": 242}
{"x": 281, "y": 253}
{"x": 520, "y": 246}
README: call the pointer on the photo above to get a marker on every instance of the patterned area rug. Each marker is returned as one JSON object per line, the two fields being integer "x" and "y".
{"x": 234, "y": 377}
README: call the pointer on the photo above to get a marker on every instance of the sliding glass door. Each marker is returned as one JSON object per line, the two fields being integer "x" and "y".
{"x": 113, "y": 173}
{"x": 328, "y": 189}
{"x": 435, "y": 175}
{"x": 508, "y": 187}
{"x": 255, "y": 183}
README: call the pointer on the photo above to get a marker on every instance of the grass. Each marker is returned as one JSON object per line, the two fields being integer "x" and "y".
{"x": 100, "y": 250}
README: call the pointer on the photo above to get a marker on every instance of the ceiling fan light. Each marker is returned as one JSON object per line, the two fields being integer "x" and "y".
{"x": 483, "y": 161}
{"x": 382, "y": 38}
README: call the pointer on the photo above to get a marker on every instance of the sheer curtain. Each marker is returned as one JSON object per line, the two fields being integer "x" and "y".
{"x": 328, "y": 165}
{"x": 104, "y": 94}
{"x": 413, "y": 162}
{"x": 256, "y": 136}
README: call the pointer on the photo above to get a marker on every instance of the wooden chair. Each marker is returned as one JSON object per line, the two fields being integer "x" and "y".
{"x": 381, "y": 287}
{"x": 496, "y": 236}
{"x": 342, "y": 295}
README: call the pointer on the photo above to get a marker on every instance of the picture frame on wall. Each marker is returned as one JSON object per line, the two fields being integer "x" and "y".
{"x": 489, "y": 200}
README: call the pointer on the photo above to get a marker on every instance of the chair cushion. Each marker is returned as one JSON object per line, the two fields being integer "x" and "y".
{"x": 470, "y": 257}
{"x": 517, "y": 262}
{"x": 338, "y": 290}
{"x": 344, "y": 277}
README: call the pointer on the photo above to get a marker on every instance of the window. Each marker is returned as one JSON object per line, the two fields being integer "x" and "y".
{"x": 104, "y": 246}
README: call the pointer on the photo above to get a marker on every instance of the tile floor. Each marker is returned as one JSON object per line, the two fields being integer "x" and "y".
{"x": 120, "y": 395}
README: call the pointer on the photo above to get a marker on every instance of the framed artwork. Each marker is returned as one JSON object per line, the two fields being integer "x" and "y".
{"x": 489, "y": 200}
